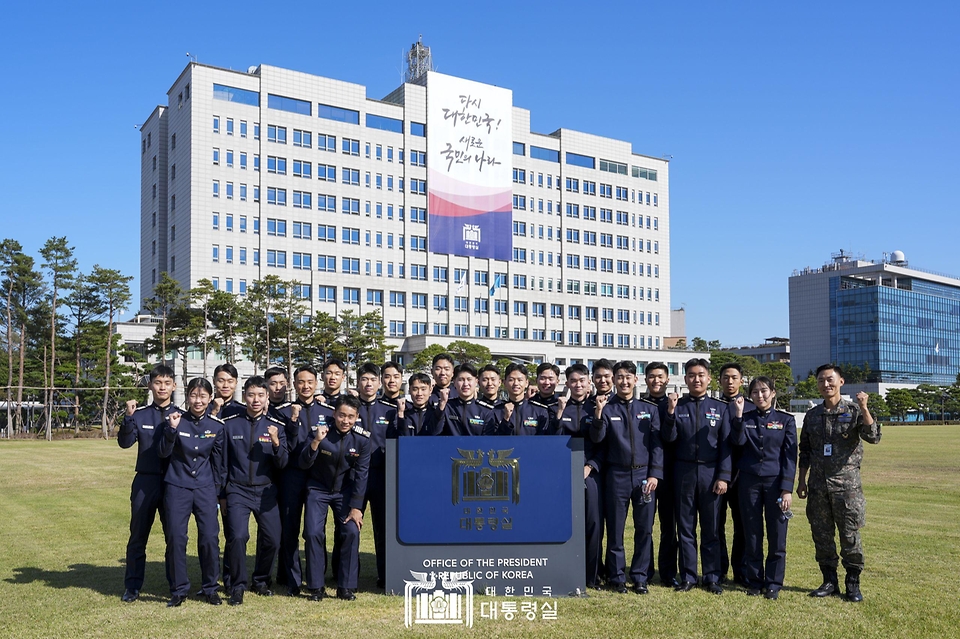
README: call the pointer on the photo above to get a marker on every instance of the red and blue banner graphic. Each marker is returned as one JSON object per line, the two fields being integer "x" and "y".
{"x": 470, "y": 168}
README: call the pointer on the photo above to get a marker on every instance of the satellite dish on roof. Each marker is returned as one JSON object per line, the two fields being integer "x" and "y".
{"x": 897, "y": 257}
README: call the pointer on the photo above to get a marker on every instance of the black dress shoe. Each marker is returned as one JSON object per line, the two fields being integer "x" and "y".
{"x": 770, "y": 593}
{"x": 176, "y": 600}
{"x": 293, "y": 591}
{"x": 714, "y": 588}
{"x": 826, "y": 589}
{"x": 620, "y": 588}
{"x": 317, "y": 595}
{"x": 686, "y": 586}
{"x": 214, "y": 599}
{"x": 262, "y": 589}
{"x": 129, "y": 596}
{"x": 346, "y": 594}
{"x": 753, "y": 592}
{"x": 673, "y": 582}
{"x": 640, "y": 588}
{"x": 236, "y": 597}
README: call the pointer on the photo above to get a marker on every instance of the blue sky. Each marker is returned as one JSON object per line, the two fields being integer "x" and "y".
{"x": 796, "y": 129}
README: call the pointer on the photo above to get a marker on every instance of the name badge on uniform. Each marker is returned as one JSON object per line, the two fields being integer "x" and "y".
{"x": 184, "y": 434}
{"x": 147, "y": 427}
{"x": 827, "y": 450}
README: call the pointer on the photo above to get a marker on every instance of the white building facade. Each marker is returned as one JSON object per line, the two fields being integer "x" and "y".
{"x": 274, "y": 171}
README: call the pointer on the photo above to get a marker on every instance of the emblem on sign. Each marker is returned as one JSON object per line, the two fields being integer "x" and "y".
{"x": 490, "y": 476}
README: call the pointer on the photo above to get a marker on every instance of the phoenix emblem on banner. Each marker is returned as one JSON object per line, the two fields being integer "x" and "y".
{"x": 494, "y": 476}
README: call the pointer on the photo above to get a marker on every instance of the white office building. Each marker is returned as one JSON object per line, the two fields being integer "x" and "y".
{"x": 274, "y": 171}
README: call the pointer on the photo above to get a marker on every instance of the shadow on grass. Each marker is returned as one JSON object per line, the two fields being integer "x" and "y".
{"x": 106, "y": 580}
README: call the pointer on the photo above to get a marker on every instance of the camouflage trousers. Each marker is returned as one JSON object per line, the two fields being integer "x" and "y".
{"x": 843, "y": 511}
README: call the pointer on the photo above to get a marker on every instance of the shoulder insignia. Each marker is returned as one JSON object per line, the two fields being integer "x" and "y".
{"x": 360, "y": 430}
{"x": 226, "y": 419}
{"x": 275, "y": 420}
{"x": 283, "y": 405}
{"x": 139, "y": 408}
{"x": 647, "y": 400}
{"x": 215, "y": 418}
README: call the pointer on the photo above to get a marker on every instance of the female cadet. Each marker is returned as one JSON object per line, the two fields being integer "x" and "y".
{"x": 768, "y": 466}
{"x": 194, "y": 443}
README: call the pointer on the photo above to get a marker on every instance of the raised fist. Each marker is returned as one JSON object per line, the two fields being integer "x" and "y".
{"x": 862, "y": 399}
{"x": 672, "y": 400}
{"x": 738, "y": 406}
{"x": 274, "y": 434}
{"x": 322, "y": 430}
{"x": 131, "y": 406}
{"x": 601, "y": 402}
{"x": 401, "y": 406}
{"x": 295, "y": 412}
{"x": 507, "y": 411}
{"x": 174, "y": 420}
{"x": 561, "y": 405}
{"x": 531, "y": 392}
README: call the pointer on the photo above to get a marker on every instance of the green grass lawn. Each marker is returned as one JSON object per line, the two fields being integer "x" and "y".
{"x": 64, "y": 515}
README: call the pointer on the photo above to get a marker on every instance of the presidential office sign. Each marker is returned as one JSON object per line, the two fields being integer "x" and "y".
{"x": 502, "y": 513}
{"x": 470, "y": 167}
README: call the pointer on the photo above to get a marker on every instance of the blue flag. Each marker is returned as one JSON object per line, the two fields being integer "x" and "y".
{"x": 496, "y": 285}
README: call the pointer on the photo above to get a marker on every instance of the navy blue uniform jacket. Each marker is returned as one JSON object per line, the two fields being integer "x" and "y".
{"x": 340, "y": 457}
{"x": 630, "y": 429}
{"x": 195, "y": 451}
{"x": 145, "y": 428}
{"x": 768, "y": 445}
{"x": 251, "y": 458}
{"x": 701, "y": 429}
{"x": 461, "y": 418}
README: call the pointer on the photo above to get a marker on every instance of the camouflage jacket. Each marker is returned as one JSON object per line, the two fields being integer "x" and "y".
{"x": 831, "y": 446}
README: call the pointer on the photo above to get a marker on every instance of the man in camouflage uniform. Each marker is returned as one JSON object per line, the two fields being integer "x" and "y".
{"x": 831, "y": 448}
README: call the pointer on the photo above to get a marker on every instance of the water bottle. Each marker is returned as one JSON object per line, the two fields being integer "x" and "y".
{"x": 646, "y": 497}
{"x": 786, "y": 514}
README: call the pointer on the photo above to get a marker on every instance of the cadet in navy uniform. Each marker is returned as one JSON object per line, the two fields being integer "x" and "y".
{"x": 603, "y": 378}
{"x": 391, "y": 378}
{"x": 574, "y": 417}
{"x": 442, "y": 369}
{"x": 630, "y": 430}
{"x": 223, "y": 404}
{"x": 338, "y": 460}
{"x": 656, "y": 376}
{"x": 418, "y": 416}
{"x": 731, "y": 379}
{"x": 333, "y": 372}
{"x": 767, "y": 439}
{"x": 307, "y": 413}
{"x": 256, "y": 450}
{"x": 143, "y": 426}
{"x": 464, "y": 415}
{"x": 193, "y": 442}
{"x": 379, "y": 417}
{"x": 548, "y": 376}
{"x": 490, "y": 386}
{"x": 522, "y": 416}
{"x": 700, "y": 427}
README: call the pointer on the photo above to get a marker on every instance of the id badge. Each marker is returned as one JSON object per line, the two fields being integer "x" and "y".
{"x": 827, "y": 450}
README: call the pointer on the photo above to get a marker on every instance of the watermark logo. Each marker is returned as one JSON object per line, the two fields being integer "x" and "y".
{"x": 451, "y": 603}
{"x": 471, "y": 236}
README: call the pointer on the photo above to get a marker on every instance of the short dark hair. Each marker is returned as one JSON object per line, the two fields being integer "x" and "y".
{"x": 347, "y": 399}
{"x": 368, "y": 368}
{"x": 548, "y": 366}
{"x": 696, "y": 361}
{"x": 602, "y": 364}
{"x": 227, "y": 368}
{"x": 334, "y": 361}
{"x": 762, "y": 379}
{"x": 828, "y": 367}
{"x": 466, "y": 367}
{"x": 397, "y": 366}
{"x": 257, "y": 381}
{"x": 735, "y": 366}
{"x": 306, "y": 368}
{"x": 440, "y": 356}
{"x": 656, "y": 366}
{"x": 161, "y": 370}
{"x": 273, "y": 371}
{"x": 625, "y": 365}
{"x": 580, "y": 369}
{"x": 514, "y": 366}
{"x": 201, "y": 383}
{"x": 490, "y": 368}
{"x": 423, "y": 378}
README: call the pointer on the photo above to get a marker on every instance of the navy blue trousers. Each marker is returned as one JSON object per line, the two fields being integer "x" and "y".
{"x": 757, "y": 497}
{"x": 622, "y": 488}
{"x": 146, "y": 500}
{"x": 735, "y": 558}
{"x": 593, "y": 526}
{"x": 319, "y": 502}
{"x": 668, "y": 551}
{"x": 201, "y": 502}
{"x": 293, "y": 494}
{"x": 695, "y": 499}
{"x": 377, "y": 498}
{"x": 242, "y": 501}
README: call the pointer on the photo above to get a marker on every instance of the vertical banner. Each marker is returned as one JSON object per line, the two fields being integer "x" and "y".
{"x": 470, "y": 167}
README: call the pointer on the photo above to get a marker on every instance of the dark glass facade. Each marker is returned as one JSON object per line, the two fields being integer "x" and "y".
{"x": 908, "y": 334}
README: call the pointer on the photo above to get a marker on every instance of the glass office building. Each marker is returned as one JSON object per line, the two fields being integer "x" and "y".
{"x": 901, "y": 323}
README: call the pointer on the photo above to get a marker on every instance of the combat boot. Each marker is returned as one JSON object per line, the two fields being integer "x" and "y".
{"x": 853, "y": 588}
{"x": 830, "y": 586}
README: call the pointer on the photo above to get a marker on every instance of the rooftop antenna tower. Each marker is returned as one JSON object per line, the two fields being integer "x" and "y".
{"x": 419, "y": 61}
